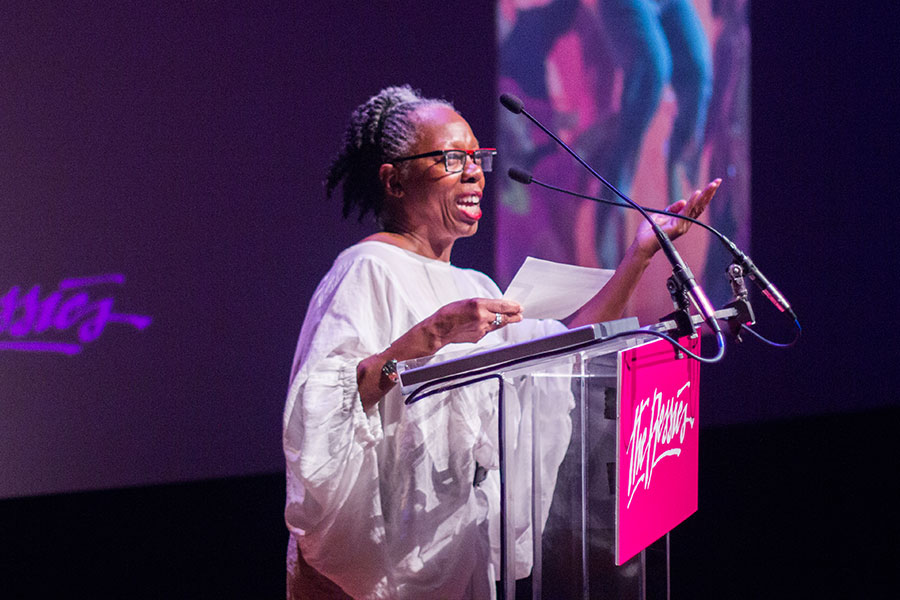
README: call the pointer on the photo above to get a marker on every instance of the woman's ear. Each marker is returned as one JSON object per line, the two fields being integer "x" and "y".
{"x": 390, "y": 180}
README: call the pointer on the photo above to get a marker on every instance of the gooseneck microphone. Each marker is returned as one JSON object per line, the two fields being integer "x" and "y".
{"x": 749, "y": 268}
{"x": 513, "y": 104}
{"x": 681, "y": 273}
{"x": 523, "y": 176}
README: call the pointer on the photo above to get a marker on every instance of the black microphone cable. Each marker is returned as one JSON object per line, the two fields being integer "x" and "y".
{"x": 525, "y": 178}
{"x": 516, "y": 106}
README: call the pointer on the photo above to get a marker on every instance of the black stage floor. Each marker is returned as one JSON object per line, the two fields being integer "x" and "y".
{"x": 795, "y": 509}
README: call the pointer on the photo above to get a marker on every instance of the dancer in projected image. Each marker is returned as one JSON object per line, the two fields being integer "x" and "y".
{"x": 728, "y": 140}
{"x": 392, "y": 501}
{"x": 654, "y": 43}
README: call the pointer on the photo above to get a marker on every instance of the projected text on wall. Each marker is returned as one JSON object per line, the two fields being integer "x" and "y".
{"x": 63, "y": 320}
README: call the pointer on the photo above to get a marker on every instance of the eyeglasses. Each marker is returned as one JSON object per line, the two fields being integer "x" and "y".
{"x": 455, "y": 160}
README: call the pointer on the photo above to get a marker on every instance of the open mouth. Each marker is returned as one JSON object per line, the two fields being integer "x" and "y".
{"x": 470, "y": 206}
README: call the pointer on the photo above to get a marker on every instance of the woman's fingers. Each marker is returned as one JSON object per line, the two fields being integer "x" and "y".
{"x": 503, "y": 306}
{"x": 501, "y": 319}
{"x": 677, "y": 207}
{"x": 700, "y": 199}
{"x": 500, "y": 312}
{"x": 470, "y": 320}
{"x": 693, "y": 207}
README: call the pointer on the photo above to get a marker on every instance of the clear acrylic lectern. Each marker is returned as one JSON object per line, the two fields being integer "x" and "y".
{"x": 556, "y": 419}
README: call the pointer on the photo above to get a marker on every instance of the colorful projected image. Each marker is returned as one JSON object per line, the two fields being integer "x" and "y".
{"x": 655, "y": 96}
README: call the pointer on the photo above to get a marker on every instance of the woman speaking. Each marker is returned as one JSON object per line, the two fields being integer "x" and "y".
{"x": 382, "y": 499}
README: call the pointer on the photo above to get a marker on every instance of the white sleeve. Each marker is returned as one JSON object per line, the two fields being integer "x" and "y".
{"x": 333, "y": 500}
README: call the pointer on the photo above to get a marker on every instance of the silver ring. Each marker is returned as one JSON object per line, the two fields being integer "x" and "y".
{"x": 498, "y": 320}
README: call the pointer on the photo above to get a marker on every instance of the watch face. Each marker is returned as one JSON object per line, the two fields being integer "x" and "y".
{"x": 390, "y": 370}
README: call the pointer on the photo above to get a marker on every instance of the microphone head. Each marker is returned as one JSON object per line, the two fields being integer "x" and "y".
{"x": 512, "y": 103}
{"x": 520, "y": 175}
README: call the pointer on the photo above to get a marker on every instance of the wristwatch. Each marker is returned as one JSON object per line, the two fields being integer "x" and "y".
{"x": 389, "y": 370}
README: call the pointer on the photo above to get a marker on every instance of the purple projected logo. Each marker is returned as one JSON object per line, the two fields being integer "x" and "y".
{"x": 67, "y": 310}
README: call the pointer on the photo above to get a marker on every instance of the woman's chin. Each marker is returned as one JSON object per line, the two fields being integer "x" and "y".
{"x": 469, "y": 224}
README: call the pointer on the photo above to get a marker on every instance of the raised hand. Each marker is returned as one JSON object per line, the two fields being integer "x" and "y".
{"x": 674, "y": 227}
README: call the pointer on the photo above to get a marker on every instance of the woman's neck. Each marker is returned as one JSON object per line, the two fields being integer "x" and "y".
{"x": 414, "y": 243}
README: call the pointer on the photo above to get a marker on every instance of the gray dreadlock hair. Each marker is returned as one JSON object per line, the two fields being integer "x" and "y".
{"x": 381, "y": 129}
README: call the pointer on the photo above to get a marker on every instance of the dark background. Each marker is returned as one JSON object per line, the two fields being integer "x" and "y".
{"x": 184, "y": 147}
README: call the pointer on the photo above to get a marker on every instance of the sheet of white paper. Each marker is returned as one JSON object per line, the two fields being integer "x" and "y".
{"x": 551, "y": 290}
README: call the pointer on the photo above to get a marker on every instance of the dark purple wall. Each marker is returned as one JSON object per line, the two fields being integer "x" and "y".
{"x": 183, "y": 147}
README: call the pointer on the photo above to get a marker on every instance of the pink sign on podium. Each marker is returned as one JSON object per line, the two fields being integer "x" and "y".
{"x": 657, "y": 443}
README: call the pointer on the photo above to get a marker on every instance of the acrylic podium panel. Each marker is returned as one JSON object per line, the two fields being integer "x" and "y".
{"x": 561, "y": 508}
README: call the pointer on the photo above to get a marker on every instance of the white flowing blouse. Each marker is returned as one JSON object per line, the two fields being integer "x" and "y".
{"x": 382, "y": 502}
